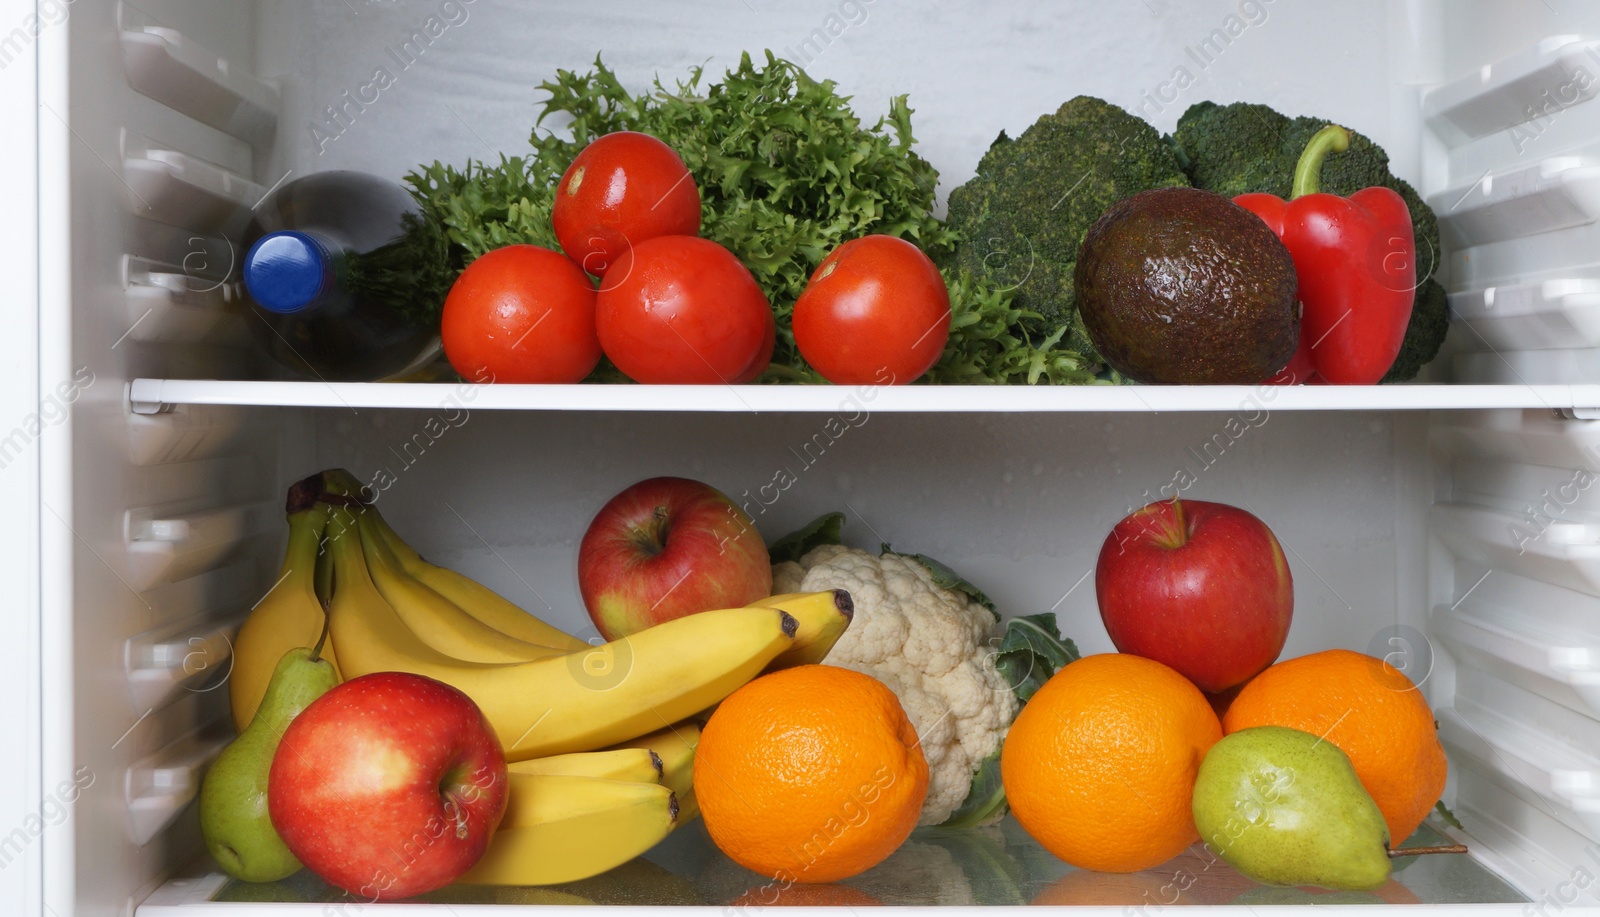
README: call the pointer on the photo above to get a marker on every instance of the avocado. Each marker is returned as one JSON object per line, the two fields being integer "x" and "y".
{"x": 1179, "y": 285}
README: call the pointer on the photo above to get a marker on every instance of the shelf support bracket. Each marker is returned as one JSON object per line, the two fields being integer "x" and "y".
{"x": 144, "y": 397}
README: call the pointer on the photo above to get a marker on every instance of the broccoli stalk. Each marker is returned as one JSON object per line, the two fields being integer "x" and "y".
{"x": 1240, "y": 148}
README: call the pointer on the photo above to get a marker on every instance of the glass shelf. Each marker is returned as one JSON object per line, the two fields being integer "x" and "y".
{"x": 1001, "y": 866}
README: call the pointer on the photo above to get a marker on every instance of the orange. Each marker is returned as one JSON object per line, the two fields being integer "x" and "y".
{"x": 811, "y": 774}
{"x": 1099, "y": 767}
{"x": 1371, "y": 711}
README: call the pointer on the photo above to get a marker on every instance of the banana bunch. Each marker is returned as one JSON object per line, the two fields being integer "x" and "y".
{"x": 599, "y": 736}
{"x": 577, "y": 815}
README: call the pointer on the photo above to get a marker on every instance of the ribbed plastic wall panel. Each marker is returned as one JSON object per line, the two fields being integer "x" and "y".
{"x": 1518, "y": 213}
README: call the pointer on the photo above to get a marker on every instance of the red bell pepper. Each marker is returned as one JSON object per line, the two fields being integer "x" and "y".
{"x": 1356, "y": 261}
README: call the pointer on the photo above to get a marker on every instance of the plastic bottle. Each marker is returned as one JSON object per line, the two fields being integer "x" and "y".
{"x": 345, "y": 277}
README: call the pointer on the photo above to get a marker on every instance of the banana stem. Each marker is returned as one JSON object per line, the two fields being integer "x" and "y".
{"x": 333, "y": 499}
{"x": 303, "y": 494}
{"x": 1424, "y": 851}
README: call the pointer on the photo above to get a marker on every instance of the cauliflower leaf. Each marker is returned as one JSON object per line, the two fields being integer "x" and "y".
{"x": 825, "y": 529}
{"x": 1032, "y": 651}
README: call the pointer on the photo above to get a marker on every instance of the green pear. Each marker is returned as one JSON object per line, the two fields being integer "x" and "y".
{"x": 233, "y": 799}
{"x": 1285, "y": 807}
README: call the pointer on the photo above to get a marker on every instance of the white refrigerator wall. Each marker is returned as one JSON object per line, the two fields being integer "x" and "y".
{"x": 420, "y": 80}
{"x": 1020, "y": 504}
{"x": 169, "y": 525}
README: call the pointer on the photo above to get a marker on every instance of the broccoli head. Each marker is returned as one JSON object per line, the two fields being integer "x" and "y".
{"x": 1023, "y": 216}
{"x": 1430, "y": 319}
{"x": 1241, "y": 148}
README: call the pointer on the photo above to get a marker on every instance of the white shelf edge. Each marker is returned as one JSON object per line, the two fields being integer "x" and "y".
{"x": 150, "y": 395}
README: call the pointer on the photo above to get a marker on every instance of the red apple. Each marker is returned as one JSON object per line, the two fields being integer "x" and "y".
{"x": 388, "y": 786}
{"x": 1202, "y": 587}
{"x": 665, "y": 548}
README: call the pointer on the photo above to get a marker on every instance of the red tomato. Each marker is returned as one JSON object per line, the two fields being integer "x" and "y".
{"x": 521, "y": 314}
{"x": 763, "y": 356}
{"x": 683, "y": 310}
{"x": 875, "y": 311}
{"x": 622, "y": 189}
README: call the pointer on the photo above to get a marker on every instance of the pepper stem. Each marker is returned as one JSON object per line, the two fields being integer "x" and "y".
{"x": 1308, "y": 171}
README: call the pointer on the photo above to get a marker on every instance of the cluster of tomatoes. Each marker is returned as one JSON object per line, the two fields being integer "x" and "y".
{"x": 671, "y": 307}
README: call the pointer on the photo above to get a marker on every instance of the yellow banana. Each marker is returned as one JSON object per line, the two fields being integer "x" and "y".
{"x": 823, "y": 618}
{"x": 434, "y": 618}
{"x": 560, "y": 828}
{"x": 322, "y": 583}
{"x": 475, "y": 599}
{"x": 289, "y": 615}
{"x": 674, "y": 747}
{"x": 632, "y": 765}
{"x": 539, "y": 799}
{"x": 688, "y": 808}
{"x": 580, "y": 702}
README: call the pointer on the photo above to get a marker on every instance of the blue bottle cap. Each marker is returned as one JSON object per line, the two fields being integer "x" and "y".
{"x": 286, "y": 271}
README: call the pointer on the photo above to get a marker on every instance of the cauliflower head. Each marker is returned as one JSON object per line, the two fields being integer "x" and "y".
{"x": 932, "y": 647}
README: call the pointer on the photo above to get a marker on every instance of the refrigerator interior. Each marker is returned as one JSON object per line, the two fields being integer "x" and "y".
{"x": 1450, "y": 527}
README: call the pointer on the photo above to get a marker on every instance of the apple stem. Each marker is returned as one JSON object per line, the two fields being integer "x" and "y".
{"x": 1423, "y": 851}
{"x": 652, "y": 537}
{"x": 1183, "y": 524}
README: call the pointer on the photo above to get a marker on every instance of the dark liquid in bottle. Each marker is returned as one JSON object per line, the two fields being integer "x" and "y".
{"x": 372, "y": 317}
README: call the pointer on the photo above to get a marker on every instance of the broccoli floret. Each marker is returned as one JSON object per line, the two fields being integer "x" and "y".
{"x": 1240, "y": 148}
{"x": 1023, "y": 216}
{"x": 1235, "y": 149}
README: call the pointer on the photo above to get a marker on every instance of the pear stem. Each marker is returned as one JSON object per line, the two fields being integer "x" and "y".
{"x": 1423, "y": 851}
{"x": 316, "y": 651}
